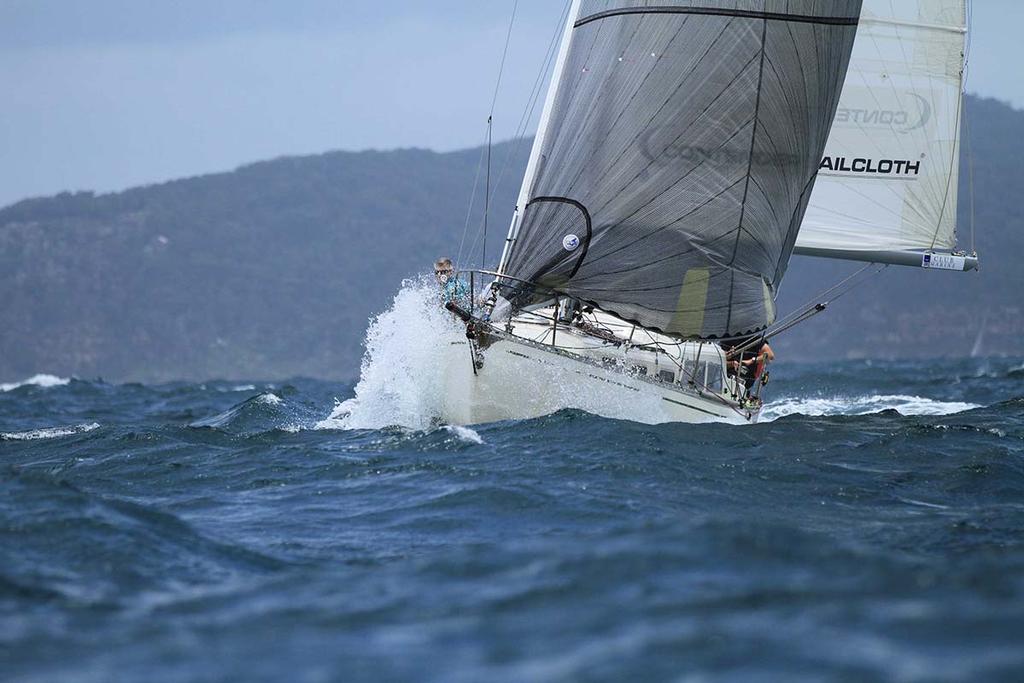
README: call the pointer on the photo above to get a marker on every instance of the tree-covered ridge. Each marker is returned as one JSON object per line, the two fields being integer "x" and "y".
{"x": 273, "y": 270}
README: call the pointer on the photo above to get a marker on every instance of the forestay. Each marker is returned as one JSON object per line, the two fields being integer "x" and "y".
{"x": 676, "y": 156}
{"x": 887, "y": 186}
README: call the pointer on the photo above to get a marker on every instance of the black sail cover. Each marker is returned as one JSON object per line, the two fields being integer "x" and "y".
{"x": 678, "y": 157}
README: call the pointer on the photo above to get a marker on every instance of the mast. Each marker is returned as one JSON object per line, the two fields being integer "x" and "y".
{"x": 542, "y": 131}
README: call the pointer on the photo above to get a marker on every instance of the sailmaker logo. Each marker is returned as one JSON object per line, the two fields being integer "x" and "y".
{"x": 898, "y": 167}
{"x": 901, "y": 120}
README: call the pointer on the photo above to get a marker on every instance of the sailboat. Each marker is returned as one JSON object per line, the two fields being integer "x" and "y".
{"x": 685, "y": 151}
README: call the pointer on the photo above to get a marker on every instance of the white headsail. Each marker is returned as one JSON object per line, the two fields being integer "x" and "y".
{"x": 887, "y": 186}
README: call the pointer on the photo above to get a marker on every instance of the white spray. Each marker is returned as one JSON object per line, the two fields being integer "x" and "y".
{"x": 400, "y": 382}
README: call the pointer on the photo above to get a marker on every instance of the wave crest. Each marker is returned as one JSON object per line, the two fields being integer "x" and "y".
{"x": 41, "y": 380}
{"x": 862, "y": 405}
{"x": 48, "y": 432}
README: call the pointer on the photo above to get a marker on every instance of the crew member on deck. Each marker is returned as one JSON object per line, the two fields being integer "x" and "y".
{"x": 452, "y": 288}
{"x": 757, "y": 367}
{"x": 750, "y": 364}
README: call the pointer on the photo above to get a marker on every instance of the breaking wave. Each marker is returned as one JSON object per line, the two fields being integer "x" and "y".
{"x": 42, "y": 380}
{"x": 465, "y": 434}
{"x": 399, "y": 382}
{"x": 862, "y": 405}
{"x": 256, "y": 415}
{"x": 269, "y": 399}
{"x": 48, "y": 432}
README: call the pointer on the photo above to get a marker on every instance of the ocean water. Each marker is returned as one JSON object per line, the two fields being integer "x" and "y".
{"x": 871, "y": 528}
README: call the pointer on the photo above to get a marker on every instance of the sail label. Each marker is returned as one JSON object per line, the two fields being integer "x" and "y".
{"x": 570, "y": 242}
{"x": 943, "y": 261}
{"x": 899, "y": 120}
{"x": 903, "y": 167}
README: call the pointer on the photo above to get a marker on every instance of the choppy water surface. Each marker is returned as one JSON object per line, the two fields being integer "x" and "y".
{"x": 872, "y": 529}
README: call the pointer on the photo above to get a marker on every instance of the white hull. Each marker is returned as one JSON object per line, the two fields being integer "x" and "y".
{"x": 521, "y": 378}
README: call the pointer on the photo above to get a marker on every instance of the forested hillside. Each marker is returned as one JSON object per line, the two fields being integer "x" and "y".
{"x": 272, "y": 270}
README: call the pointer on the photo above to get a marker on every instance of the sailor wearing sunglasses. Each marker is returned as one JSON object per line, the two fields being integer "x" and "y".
{"x": 452, "y": 288}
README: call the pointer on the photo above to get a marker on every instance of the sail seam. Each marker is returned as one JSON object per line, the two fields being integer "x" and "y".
{"x": 694, "y": 210}
{"x": 750, "y": 168}
{"x": 882, "y": 21}
{"x": 949, "y": 180}
{"x": 681, "y": 179}
{"x": 625, "y": 107}
{"x": 720, "y": 12}
{"x": 629, "y": 145}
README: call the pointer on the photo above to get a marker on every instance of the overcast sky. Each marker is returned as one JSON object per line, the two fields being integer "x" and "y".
{"x": 107, "y": 94}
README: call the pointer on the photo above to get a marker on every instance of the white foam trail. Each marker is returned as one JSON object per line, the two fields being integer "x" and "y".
{"x": 338, "y": 419}
{"x": 398, "y": 381}
{"x": 465, "y": 433}
{"x": 48, "y": 432}
{"x": 41, "y": 380}
{"x": 269, "y": 399}
{"x": 862, "y": 405}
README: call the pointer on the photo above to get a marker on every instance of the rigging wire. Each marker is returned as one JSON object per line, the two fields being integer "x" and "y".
{"x": 816, "y": 305}
{"x": 961, "y": 127}
{"x": 535, "y": 92}
{"x": 967, "y": 127}
{"x": 504, "y": 54}
{"x": 970, "y": 178}
{"x": 487, "y": 192}
{"x": 469, "y": 209}
{"x": 531, "y": 104}
{"x": 490, "y": 129}
{"x": 814, "y": 301}
{"x": 485, "y": 152}
{"x": 813, "y": 307}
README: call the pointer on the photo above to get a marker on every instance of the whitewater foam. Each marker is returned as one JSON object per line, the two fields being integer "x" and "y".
{"x": 862, "y": 405}
{"x": 465, "y": 433}
{"x": 399, "y": 384}
{"x": 338, "y": 419}
{"x": 42, "y": 380}
{"x": 48, "y": 432}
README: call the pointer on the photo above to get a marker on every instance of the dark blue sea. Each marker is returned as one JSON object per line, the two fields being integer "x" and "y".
{"x": 872, "y": 528}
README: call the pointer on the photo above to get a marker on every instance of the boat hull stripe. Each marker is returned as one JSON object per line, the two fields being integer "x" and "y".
{"x": 687, "y": 405}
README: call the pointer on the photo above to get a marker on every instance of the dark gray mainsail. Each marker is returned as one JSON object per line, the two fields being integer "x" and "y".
{"x": 676, "y": 156}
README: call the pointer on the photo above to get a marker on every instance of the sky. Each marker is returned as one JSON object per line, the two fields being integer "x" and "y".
{"x": 107, "y": 94}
